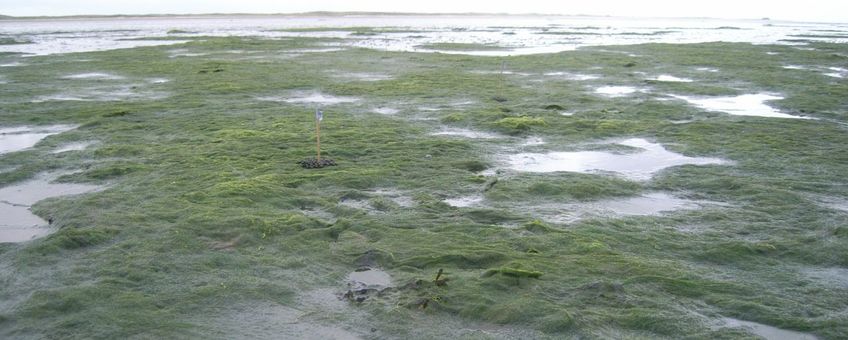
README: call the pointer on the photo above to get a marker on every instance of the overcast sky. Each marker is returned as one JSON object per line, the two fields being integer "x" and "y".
{"x": 801, "y": 10}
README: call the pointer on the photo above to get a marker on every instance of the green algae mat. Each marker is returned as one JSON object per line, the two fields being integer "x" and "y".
{"x": 633, "y": 192}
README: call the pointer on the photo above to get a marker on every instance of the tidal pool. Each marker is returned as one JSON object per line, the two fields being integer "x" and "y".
{"x": 17, "y": 222}
{"x": 311, "y": 98}
{"x": 19, "y": 138}
{"x": 744, "y": 105}
{"x": 642, "y": 164}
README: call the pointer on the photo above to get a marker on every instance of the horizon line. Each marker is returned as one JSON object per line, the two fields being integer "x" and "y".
{"x": 345, "y": 13}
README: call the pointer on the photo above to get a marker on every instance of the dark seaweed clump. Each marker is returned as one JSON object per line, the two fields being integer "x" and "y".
{"x": 312, "y": 163}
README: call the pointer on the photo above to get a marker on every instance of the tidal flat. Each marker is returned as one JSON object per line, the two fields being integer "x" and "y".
{"x": 205, "y": 226}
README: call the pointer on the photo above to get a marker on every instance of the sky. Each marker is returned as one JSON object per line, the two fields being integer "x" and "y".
{"x": 796, "y": 10}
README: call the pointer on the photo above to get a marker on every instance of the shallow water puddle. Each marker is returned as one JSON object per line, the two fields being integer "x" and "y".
{"x": 464, "y": 202}
{"x": 523, "y": 74}
{"x": 573, "y": 76}
{"x": 364, "y": 76}
{"x": 464, "y": 133}
{"x": 766, "y": 331}
{"x": 23, "y": 137}
{"x": 640, "y": 165}
{"x": 104, "y": 93}
{"x": 269, "y": 320}
{"x": 357, "y": 204}
{"x": 794, "y": 67}
{"x": 311, "y": 98}
{"x": 744, "y": 105}
{"x": 616, "y": 91}
{"x": 838, "y": 72}
{"x": 185, "y": 53}
{"x": 94, "y": 75}
{"x": 533, "y": 141}
{"x": 17, "y": 222}
{"x": 385, "y": 110}
{"x": 398, "y": 197}
{"x": 318, "y": 50}
{"x": 76, "y": 146}
{"x": 650, "y": 204}
{"x": 672, "y": 79}
{"x": 369, "y": 278}
{"x": 645, "y": 205}
{"x": 832, "y": 277}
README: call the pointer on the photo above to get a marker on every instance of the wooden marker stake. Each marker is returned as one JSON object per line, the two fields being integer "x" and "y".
{"x": 318, "y": 137}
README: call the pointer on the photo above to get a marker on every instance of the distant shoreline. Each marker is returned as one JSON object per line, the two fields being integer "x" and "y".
{"x": 341, "y": 14}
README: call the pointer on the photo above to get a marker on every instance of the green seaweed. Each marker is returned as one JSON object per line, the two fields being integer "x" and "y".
{"x": 205, "y": 208}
